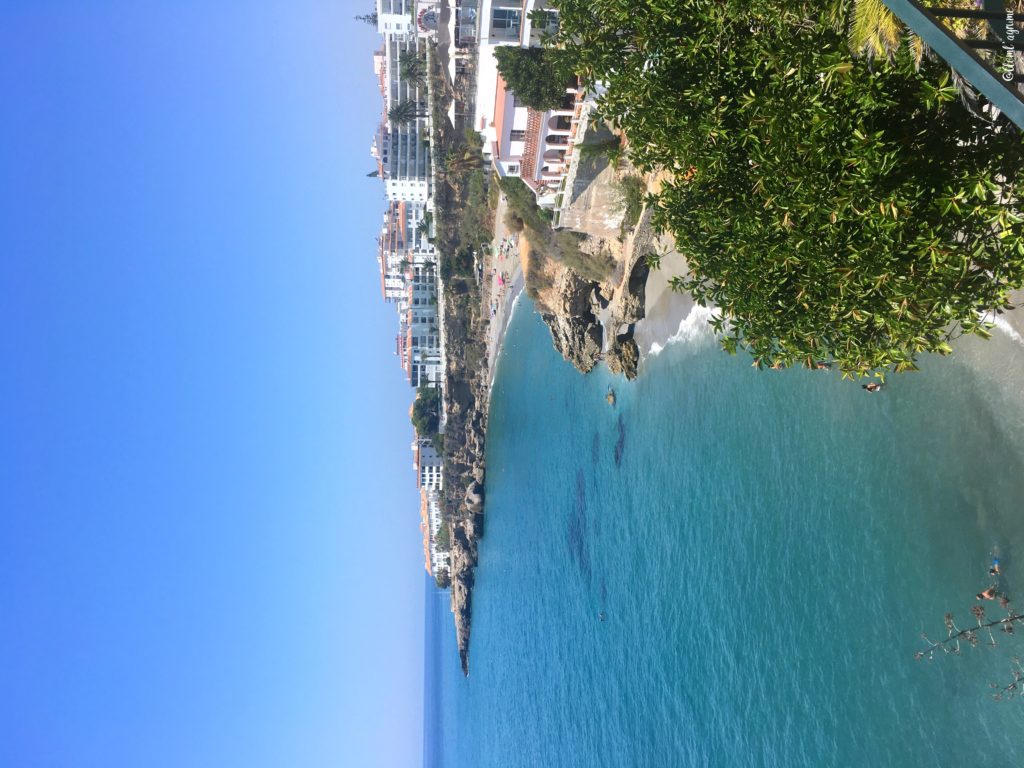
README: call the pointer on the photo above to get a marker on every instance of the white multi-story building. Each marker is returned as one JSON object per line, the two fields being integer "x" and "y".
{"x": 428, "y": 465}
{"x": 408, "y": 274}
{"x": 419, "y": 338}
{"x": 403, "y": 243}
{"x": 401, "y": 146}
{"x": 430, "y": 523}
{"x": 519, "y": 141}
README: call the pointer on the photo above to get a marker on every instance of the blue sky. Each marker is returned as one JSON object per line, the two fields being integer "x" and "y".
{"x": 209, "y": 522}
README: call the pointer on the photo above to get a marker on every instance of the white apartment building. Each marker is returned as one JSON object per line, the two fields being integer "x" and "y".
{"x": 403, "y": 243}
{"x": 419, "y": 337}
{"x": 436, "y": 561}
{"x": 519, "y": 141}
{"x": 401, "y": 148}
{"x": 428, "y": 465}
{"x": 430, "y": 522}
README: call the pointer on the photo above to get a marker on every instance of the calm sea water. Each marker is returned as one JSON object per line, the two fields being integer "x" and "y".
{"x": 765, "y": 549}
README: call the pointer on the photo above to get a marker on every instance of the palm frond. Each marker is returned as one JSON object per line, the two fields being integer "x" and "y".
{"x": 874, "y": 29}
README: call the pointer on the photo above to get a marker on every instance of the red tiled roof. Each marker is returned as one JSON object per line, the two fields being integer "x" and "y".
{"x": 499, "y": 109}
{"x": 534, "y": 123}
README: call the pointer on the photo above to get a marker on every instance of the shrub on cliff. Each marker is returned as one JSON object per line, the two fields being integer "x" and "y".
{"x": 426, "y": 410}
{"x": 829, "y": 210}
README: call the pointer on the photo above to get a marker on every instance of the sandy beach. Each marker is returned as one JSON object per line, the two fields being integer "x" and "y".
{"x": 505, "y": 279}
{"x": 665, "y": 310}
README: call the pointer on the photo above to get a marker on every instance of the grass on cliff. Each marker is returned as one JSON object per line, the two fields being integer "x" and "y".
{"x": 562, "y": 246}
{"x": 632, "y": 189}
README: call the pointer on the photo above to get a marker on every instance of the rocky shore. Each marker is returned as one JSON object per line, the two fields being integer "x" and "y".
{"x": 589, "y": 320}
{"x": 464, "y": 491}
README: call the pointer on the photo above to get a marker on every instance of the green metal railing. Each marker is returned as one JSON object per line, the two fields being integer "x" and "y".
{"x": 988, "y": 61}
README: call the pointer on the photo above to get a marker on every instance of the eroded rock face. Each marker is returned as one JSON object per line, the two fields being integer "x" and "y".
{"x": 630, "y": 305}
{"x": 623, "y": 357}
{"x": 575, "y": 330}
{"x": 475, "y": 498}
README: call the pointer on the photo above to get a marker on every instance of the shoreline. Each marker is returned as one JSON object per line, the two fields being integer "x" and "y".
{"x": 665, "y": 310}
{"x": 508, "y": 259}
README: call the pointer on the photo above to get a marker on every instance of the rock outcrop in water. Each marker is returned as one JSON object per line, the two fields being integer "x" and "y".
{"x": 593, "y": 320}
{"x": 465, "y": 431}
{"x": 623, "y": 355}
{"x": 575, "y": 329}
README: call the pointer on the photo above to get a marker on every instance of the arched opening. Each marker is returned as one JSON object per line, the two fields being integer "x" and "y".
{"x": 560, "y": 123}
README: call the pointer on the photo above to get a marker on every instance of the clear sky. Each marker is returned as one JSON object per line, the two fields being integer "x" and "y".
{"x": 209, "y": 545}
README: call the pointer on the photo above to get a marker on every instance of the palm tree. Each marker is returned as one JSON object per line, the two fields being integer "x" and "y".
{"x": 412, "y": 67}
{"x": 404, "y": 112}
{"x": 456, "y": 164}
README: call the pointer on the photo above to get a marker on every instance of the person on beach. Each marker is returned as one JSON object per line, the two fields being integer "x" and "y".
{"x": 994, "y": 570}
{"x": 988, "y": 594}
{"x": 874, "y": 386}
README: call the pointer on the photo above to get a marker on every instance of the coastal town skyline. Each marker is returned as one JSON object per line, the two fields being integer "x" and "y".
{"x": 504, "y": 383}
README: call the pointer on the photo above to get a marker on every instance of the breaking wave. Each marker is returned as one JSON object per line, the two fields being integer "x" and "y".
{"x": 693, "y": 326}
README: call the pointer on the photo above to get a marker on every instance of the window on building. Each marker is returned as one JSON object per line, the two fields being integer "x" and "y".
{"x": 517, "y": 135}
{"x": 507, "y": 19}
{"x": 513, "y": 169}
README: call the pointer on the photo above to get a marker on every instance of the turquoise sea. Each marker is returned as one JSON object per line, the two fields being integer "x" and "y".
{"x": 734, "y": 567}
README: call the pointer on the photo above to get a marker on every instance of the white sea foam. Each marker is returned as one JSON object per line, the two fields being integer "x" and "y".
{"x": 693, "y": 326}
{"x": 1009, "y": 330}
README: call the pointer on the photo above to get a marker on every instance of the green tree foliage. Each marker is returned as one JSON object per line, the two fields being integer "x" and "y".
{"x": 537, "y": 76}
{"x": 462, "y": 159}
{"x": 426, "y": 410}
{"x": 829, "y": 210}
{"x": 423, "y": 227}
{"x": 412, "y": 66}
{"x": 405, "y": 111}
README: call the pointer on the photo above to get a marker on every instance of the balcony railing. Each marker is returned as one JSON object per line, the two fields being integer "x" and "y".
{"x": 979, "y": 43}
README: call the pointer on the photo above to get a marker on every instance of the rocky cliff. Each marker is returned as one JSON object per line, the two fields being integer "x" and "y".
{"x": 594, "y": 320}
{"x": 569, "y": 311}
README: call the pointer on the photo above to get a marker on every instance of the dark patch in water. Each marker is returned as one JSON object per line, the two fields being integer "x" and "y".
{"x": 620, "y": 443}
{"x": 576, "y": 530}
